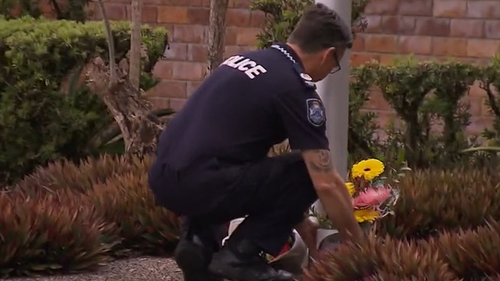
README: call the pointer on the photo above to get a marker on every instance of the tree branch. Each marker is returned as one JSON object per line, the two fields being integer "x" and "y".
{"x": 111, "y": 44}
{"x": 486, "y": 86}
{"x": 135, "y": 44}
{"x": 216, "y": 33}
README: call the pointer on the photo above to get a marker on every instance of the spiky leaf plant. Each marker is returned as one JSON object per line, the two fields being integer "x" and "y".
{"x": 126, "y": 200}
{"x": 48, "y": 234}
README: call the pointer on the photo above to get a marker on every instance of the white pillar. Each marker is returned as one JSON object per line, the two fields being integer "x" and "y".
{"x": 334, "y": 91}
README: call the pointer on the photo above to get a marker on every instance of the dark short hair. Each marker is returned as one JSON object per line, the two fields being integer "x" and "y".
{"x": 319, "y": 28}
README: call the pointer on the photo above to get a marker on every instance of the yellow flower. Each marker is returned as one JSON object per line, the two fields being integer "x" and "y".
{"x": 350, "y": 188}
{"x": 368, "y": 169}
{"x": 366, "y": 215}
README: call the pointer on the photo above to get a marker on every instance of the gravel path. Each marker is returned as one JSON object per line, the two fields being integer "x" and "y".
{"x": 134, "y": 269}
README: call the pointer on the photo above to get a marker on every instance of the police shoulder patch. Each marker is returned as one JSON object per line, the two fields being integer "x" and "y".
{"x": 315, "y": 112}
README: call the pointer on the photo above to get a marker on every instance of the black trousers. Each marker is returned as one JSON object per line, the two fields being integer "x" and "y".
{"x": 273, "y": 193}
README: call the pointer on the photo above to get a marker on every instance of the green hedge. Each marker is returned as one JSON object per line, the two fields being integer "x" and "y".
{"x": 432, "y": 112}
{"x": 39, "y": 121}
{"x": 62, "y": 10}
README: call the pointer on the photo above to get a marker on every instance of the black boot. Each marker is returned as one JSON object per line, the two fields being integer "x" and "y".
{"x": 244, "y": 262}
{"x": 193, "y": 259}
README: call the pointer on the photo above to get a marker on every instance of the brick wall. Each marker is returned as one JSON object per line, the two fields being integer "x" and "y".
{"x": 429, "y": 29}
{"x": 465, "y": 29}
{"x": 187, "y": 21}
{"x": 468, "y": 30}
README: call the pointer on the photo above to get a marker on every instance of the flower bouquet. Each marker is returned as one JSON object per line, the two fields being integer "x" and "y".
{"x": 373, "y": 196}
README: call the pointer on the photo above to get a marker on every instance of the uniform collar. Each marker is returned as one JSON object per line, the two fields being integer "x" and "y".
{"x": 288, "y": 51}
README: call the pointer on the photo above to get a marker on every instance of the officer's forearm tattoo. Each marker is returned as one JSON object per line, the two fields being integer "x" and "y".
{"x": 322, "y": 162}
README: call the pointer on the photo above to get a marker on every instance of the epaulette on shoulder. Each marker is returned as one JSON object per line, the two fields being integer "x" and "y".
{"x": 306, "y": 78}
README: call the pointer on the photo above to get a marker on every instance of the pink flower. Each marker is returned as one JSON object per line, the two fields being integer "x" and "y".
{"x": 371, "y": 197}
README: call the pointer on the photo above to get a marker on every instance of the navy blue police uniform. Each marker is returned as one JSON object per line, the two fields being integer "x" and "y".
{"x": 212, "y": 163}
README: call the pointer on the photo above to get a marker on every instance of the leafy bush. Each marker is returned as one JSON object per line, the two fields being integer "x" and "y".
{"x": 43, "y": 234}
{"x": 362, "y": 125}
{"x": 428, "y": 98}
{"x": 425, "y": 94}
{"x": 69, "y": 10}
{"x": 39, "y": 121}
{"x": 490, "y": 83}
{"x": 433, "y": 201}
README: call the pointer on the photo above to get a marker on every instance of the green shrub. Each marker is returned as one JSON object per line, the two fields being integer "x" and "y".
{"x": 362, "y": 125}
{"x": 428, "y": 100}
{"x": 47, "y": 234}
{"x": 490, "y": 83}
{"x": 428, "y": 95}
{"x": 67, "y": 10}
{"x": 433, "y": 201}
{"x": 38, "y": 120}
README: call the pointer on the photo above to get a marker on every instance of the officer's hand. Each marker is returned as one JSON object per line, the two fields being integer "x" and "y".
{"x": 307, "y": 230}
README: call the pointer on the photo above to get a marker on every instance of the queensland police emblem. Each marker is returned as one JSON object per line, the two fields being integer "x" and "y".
{"x": 315, "y": 112}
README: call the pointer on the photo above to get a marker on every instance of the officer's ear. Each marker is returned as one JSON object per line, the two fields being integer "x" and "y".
{"x": 327, "y": 55}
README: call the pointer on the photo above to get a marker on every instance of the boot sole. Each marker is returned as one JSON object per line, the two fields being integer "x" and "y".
{"x": 191, "y": 261}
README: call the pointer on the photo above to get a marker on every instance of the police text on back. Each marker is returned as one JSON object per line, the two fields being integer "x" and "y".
{"x": 245, "y": 65}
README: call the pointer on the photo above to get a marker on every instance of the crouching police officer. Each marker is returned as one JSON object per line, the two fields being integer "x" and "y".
{"x": 212, "y": 163}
